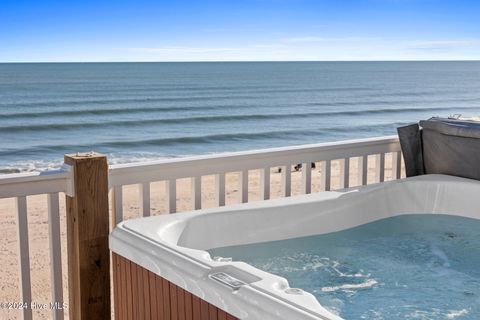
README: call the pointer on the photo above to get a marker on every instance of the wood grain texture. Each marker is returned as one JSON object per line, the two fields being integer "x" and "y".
{"x": 155, "y": 298}
{"x": 87, "y": 238}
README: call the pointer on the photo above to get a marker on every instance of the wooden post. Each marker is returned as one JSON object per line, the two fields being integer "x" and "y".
{"x": 87, "y": 238}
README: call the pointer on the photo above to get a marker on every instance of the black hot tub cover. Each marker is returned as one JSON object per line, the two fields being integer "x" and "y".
{"x": 442, "y": 146}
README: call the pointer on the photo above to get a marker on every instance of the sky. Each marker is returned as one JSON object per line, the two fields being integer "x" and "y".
{"x": 241, "y": 30}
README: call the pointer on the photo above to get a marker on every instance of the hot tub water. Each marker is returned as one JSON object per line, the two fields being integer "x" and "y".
{"x": 416, "y": 266}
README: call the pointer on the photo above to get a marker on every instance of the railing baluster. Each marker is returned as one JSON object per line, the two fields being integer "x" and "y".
{"x": 326, "y": 175}
{"x": 346, "y": 180}
{"x": 171, "y": 188}
{"x": 144, "y": 190}
{"x": 55, "y": 254}
{"x": 265, "y": 183}
{"x": 363, "y": 168}
{"x": 396, "y": 165}
{"x": 345, "y": 173}
{"x": 126, "y": 174}
{"x": 24, "y": 256}
{"x": 243, "y": 186}
{"x": 307, "y": 177}
{"x": 380, "y": 167}
{"x": 196, "y": 183}
{"x": 287, "y": 180}
{"x": 220, "y": 189}
{"x": 117, "y": 201}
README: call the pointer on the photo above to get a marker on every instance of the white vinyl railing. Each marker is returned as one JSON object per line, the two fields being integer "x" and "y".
{"x": 219, "y": 165}
{"x": 19, "y": 186}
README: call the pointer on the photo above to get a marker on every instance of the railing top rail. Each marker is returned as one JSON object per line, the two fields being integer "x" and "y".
{"x": 31, "y": 183}
{"x": 33, "y": 176}
{"x": 123, "y": 174}
{"x": 25, "y": 184}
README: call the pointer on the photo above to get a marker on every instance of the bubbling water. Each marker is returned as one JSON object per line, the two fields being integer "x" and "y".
{"x": 406, "y": 267}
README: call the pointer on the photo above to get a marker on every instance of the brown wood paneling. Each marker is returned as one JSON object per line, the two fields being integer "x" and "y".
{"x": 146, "y": 293}
{"x": 212, "y": 312}
{"x": 188, "y": 306}
{"x": 153, "y": 295}
{"x": 116, "y": 295}
{"x": 159, "y": 289}
{"x": 141, "y": 294}
{"x": 166, "y": 299}
{"x": 136, "y": 297}
{"x": 123, "y": 276}
{"x": 173, "y": 301}
{"x": 130, "y": 301}
{"x": 181, "y": 303}
{"x": 141, "y": 305}
{"x": 222, "y": 315}
{"x": 204, "y": 310}
{"x": 196, "y": 308}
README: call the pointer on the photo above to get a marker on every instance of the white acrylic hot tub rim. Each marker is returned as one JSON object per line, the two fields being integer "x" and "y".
{"x": 159, "y": 243}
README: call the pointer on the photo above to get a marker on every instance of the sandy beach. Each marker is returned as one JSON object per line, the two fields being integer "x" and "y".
{"x": 38, "y": 224}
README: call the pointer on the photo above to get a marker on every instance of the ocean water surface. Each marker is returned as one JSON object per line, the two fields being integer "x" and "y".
{"x": 141, "y": 111}
{"x": 407, "y": 267}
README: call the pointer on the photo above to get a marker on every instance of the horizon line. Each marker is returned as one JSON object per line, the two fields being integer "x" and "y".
{"x": 239, "y": 61}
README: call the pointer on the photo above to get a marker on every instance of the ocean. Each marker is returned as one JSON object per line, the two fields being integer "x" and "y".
{"x": 142, "y": 111}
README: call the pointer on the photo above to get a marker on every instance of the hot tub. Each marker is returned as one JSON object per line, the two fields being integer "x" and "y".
{"x": 164, "y": 259}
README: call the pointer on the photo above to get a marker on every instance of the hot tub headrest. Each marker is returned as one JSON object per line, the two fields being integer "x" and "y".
{"x": 442, "y": 146}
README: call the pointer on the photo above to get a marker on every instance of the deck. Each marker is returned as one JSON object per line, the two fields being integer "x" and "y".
{"x": 93, "y": 195}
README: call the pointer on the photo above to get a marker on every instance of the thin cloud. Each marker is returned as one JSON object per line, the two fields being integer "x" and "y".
{"x": 310, "y": 48}
{"x": 182, "y": 49}
{"x": 442, "y": 44}
{"x": 313, "y": 39}
{"x": 204, "y": 50}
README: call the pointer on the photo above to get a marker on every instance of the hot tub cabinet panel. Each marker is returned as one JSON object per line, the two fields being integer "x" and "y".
{"x": 170, "y": 250}
{"x": 141, "y": 294}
